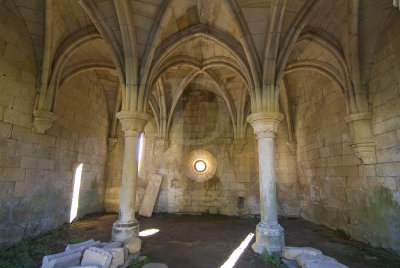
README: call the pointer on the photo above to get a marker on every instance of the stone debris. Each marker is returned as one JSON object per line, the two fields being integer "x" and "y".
{"x": 133, "y": 245}
{"x": 290, "y": 263}
{"x": 112, "y": 245}
{"x": 81, "y": 247}
{"x": 64, "y": 259}
{"x": 291, "y": 253}
{"x": 325, "y": 265}
{"x": 118, "y": 257}
{"x": 84, "y": 266}
{"x": 98, "y": 257}
{"x": 95, "y": 255}
{"x": 307, "y": 257}
{"x": 155, "y": 265}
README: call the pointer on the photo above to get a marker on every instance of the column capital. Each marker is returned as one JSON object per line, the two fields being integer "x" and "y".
{"x": 133, "y": 122}
{"x": 358, "y": 116}
{"x": 42, "y": 121}
{"x": 265, "y": 124}
{"x": 363, "y": 141}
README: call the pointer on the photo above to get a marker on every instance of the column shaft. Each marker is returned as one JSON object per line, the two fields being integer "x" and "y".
{"x": 269, "y": 234}
{"x": 127, "y": 226}
{"x": 129, "y": 178}
{"x": 268, "y": 204}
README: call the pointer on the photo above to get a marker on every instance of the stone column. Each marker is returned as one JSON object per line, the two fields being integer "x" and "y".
{"x": 127, "y": 226}
{"x": 269, "y": 234}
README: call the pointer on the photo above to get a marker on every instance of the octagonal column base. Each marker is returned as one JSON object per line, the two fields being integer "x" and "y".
{"x": 121, "y": 232}
{"x": 270, "y": 238}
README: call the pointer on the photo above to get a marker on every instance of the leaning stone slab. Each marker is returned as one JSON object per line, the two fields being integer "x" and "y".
{"x": 306, "y": 259}
{"x": 112, "y": 245}
{"x": 291, "y": 253}
{"x": 117, "y": 256}
{"x": 81, "y": 247}
{"x": 155, "y": 265}
{"x": 63, "y": 259}
{"x": 97, "y": 257}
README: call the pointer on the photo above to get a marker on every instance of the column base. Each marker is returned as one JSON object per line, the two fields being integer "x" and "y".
{"x": 121, "y": 232}
{"x": 270, "y": 238}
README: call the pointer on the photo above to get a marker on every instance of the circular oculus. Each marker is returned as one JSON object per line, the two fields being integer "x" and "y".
{"x": 200, "y": 166}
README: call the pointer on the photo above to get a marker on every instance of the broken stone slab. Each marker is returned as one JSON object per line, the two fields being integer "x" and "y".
{"x": 324, "y": 265}
{"x": 291, "y": 253}
{"x": 290, "y": 263}
{"x": 97, "y": 256}
{"x": 112, "y": 245}
{"x": 133, "y": 245}
{"x": 81, "y": 247}
{"x": 155, "y": 265}
{"x": 64, "y": 259}
{"x": 306, "y": 259}
{"x": 118, "y": 257}
{"x": 85, "y": 266}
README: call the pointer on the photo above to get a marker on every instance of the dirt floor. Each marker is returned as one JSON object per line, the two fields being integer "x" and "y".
{"x": 207, "y": 241}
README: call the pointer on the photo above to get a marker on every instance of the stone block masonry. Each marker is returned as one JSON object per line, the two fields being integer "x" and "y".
{"x": 37, "y": 171}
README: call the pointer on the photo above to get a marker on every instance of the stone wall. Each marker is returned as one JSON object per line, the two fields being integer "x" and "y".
{"x": 336, "y": 189}
{"x": 36, "y": 171}
{"x": 202, "y": 121}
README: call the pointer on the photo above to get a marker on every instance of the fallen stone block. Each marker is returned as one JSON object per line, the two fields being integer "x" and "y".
{"x": 63, "y": 259}
{"x": 155, "y": 265}
{"x": 118, "y": 257}
{"x": 98, "y": 257}
{"x": 291, "y": 253}
{"x": 133, "y": 245}
{"x": 306, "y": 259}
{"x": 81, "y": 247}
{"x": 112, "y": 245}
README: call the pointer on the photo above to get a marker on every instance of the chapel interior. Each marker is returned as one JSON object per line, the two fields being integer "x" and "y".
{"x": 267, "y": 110}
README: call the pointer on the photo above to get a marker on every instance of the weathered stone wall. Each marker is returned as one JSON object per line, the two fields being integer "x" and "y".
{"x": 36, "y": 171}
{"x": 202, "y": 121}
{"x": 336, "y": 189}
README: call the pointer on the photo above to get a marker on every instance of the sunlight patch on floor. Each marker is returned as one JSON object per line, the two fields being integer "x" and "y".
{"x": 148, "y": 232}
{"x": 238, "y": 252}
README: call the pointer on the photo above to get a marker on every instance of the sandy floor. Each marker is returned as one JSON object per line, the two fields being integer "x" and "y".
{"x": 208, "y": 241}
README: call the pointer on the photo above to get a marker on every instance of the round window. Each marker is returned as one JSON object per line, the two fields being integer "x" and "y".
{"x": 200, "y": 166}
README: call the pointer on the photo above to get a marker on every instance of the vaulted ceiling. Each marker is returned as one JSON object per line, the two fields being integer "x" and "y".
{"x": 239, "y": 48}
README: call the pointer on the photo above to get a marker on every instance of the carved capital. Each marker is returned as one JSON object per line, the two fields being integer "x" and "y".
{"x": 42, "y": 121}
{"x": 362, "y": 139}
{"x": 265, "y": 124}
{"x": 133, "y": 122}
{"x": 162, "y": 144}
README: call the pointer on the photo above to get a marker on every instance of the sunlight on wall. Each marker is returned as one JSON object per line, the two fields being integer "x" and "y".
{"x": 148, "y": 232}
{"x": 140, "y": 151}
{"x": 75, "y": 196}
{"x": 236, "y": 254}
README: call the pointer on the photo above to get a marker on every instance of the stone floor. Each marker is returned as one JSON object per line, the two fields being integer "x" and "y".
{"x": 208, "y": 241}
